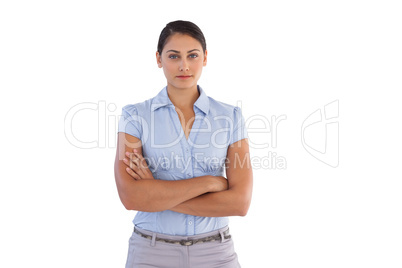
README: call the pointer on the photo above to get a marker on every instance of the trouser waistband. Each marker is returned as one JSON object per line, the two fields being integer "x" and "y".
{"x": 218, "y": 235}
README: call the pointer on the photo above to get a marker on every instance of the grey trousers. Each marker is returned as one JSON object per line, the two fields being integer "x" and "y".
{"x": 146, "y": 253}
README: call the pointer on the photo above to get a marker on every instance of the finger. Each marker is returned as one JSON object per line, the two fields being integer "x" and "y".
{"x": 130, "y": 155}
{"x": 128, "y": 163}
{"x": 133, "y": 174}
{"x": 137, "y": 158}
{"x": 133, "y": 158}
{"x": 127, "y": 160}
{"x": 140, "y": 161}
{"x": 142, "y": 166}
{"x": 138, "y": 170}
{"x": 133, "y": 167}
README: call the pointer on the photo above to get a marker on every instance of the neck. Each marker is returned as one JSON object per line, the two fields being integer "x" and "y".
{"x": 183, "y": 98}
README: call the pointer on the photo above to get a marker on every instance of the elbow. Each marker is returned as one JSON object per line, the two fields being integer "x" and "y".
{"x": 131, "y": 204}
{"x": 242, "y": 211}
{"x": 241, "y": 204}
{"x": 137, "y": 205}
{"x": 127, "y": 205}
{"x": 124, "y": 199}
{"x": 243, "y": 207}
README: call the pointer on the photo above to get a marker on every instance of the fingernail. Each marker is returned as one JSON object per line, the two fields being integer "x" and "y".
{"x": 135, "y": 150}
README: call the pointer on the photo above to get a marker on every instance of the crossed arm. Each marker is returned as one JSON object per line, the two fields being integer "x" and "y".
{"x": 207, "y": 196}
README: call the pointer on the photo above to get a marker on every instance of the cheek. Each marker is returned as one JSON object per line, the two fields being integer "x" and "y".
{"x": 169, "y": 68}
{"x": 197, "y": 66}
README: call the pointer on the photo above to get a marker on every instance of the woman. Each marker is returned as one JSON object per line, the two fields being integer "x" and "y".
{"x": 173, "y": 151}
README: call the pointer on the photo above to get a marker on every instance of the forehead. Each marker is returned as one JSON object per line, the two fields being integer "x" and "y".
{"x": 182, "y": 43}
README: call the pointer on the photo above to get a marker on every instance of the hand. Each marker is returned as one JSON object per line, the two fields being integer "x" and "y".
{"x": 220, "y": 183}
{"x": 137, "y": 166}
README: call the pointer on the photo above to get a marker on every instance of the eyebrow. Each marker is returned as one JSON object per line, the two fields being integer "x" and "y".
{"x": 175, "y": 51}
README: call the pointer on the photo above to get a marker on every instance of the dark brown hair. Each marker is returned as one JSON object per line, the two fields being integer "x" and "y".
{"x": 183, "y": 27}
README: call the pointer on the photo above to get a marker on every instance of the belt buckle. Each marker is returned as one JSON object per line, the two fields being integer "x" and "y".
{"x": 186, "y": 242}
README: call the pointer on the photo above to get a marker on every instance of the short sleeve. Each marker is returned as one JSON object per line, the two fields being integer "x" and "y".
{"x": 239, "y": 126}
{"x": 130, "y": 121}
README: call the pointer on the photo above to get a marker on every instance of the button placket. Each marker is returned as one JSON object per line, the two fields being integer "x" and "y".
{"x": 190, "y": 225}
{"x": 189, "y": 161}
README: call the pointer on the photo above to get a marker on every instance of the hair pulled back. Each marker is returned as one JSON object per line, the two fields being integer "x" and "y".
{"x": 182, "y": 27}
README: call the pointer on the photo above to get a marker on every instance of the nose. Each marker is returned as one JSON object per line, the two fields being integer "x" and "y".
{"x": 183, "y": 65}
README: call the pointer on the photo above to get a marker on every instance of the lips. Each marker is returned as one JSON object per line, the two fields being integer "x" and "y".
{"x": 183, "y": 76}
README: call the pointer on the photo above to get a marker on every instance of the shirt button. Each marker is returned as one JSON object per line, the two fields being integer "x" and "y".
{"x": 190, "y": 222}
{"x": 188, "y": 174}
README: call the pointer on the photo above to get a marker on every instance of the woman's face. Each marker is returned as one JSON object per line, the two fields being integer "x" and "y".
{"x": 182, "y": 60}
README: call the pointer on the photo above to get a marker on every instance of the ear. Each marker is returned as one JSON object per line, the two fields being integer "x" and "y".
{"x": 158, "y": 59}
{"x": 205, "y": 58}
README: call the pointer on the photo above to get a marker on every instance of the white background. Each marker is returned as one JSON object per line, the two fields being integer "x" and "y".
{"x": 59, "y": 203}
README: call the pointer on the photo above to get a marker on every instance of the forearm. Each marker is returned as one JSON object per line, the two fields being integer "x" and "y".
{"x": 219, "y": 204}
{"x": 138, "y": 190}
{"x": 159, "y": 195}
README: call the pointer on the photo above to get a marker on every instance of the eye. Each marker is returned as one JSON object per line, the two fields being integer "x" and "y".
{"x": 173, "y": 56}
{"x": 193, "y": 56}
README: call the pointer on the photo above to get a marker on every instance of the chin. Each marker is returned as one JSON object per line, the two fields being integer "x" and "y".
{"x": 183, "y": 85}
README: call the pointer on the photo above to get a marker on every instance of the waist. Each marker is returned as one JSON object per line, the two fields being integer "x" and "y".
{"x": 177, "y": 224}
{"x": 222, "y": 233}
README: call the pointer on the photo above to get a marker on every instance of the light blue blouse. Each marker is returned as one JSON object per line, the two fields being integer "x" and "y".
{"x": 170, "y": 156}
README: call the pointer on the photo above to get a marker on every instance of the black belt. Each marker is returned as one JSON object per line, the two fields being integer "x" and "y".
{"x": 187, "y": 242}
